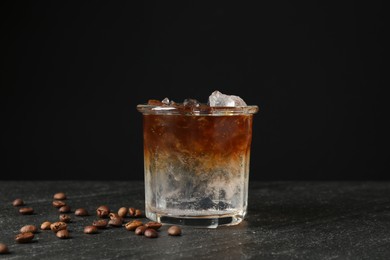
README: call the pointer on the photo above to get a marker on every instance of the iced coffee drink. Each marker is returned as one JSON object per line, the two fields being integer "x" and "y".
{"x": 196, "y": 159}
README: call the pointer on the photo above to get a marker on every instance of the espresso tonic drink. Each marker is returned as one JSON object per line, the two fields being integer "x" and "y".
{"x": 196, "y": 161}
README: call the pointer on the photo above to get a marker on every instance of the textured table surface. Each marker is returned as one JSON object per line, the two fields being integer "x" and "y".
{"x": 286, "y": 220}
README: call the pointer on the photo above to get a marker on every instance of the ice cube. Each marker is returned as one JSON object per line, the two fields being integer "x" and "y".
{"x": 189, "y": 102}
{"x": 217, "y": 99}
{"x": 165, "y": 101}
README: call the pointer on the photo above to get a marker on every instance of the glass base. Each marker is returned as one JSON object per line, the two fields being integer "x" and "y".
{"x": 212, "y": 221}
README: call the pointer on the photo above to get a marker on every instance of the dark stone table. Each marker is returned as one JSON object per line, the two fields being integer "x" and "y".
{"x": 286, "y": 220}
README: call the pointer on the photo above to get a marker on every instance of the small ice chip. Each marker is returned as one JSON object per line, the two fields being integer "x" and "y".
{"x": 189, "y": 102}
{"x": 165, "y": 101}
{"x": 217, "y": 99}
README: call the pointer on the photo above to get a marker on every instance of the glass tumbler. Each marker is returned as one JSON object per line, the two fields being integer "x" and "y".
{"x": 197, "y": 164}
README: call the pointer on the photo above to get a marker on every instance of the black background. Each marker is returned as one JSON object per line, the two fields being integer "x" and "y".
{"x": 72, "y": 75}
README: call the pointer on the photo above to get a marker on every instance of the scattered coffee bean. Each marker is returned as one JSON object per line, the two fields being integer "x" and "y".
{"x": 64, "y": 218}
{"x": 132, "y": 212}
{"x": 153, "y": 225}
{"x": 140, "y": 230}
{"x": 24, "y": 237}
{"x": 45, "y": 225}
{"x": 132, "y": 225}
{"x": 81, "y": 212}
{"x": 122, "y": 212}
{"x": 26, "y": 211}
{"x": 58, "y": 203}
{"x": 18, "y": 202}
{"x": 64, "y": 209}
{"x": 100, "y": 223}
{"x": 102, "y": 211}
{"x": 90, "y": 230}
{"x": 63, "y": 234}
{"x": 29, "y": 228}
{"x": 57, "y": 226}
{"x": 150, "y": 233}
{"x": 138, "y": 213}
{"x": 113, "y": 215}
{"x": 115, "y": 222}
{"x": 59, "y": 196}
{"x": 3, "y": 249}
{"x": 135, "y": 212}
{"x": 174, "y": 231}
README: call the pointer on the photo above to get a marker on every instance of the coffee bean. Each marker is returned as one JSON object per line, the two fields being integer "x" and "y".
{"x": 58, "y": 203}
{"x": 59, "y": 196}
{"x": 26, "y": 211}
{"x": 63, "y": 234}
{"x": 100, "y": 223}
{"x": 153, "y": 225}
{"x": 174, "y": 231}
{"x": 57, "y": 226}
{"x": 18, "y": 202}
{"x": 138, "y": 213}
{"x": 113, "y": 215}
{"x": 135, "y": 212}
{"x": 90, "y": 230}
{"x": 150, "y": 233}
{"x": 81, "y": 212}
{"x": 131, "y": 226}
{"x": 64, "y": 218}
{"x": 3, "y": 249}
{"x": 24, "y": 237}
{"x": 45, "y": 225}
{"x": 132, "y": 212}
{"x": 29, "y": 228}
{"x": 140, "y": 230}
{"x": 64, "y": 209}
{"x": 102, "y": 211}
{"x": 115, "y": 222}
{"x": 122, "y": 212}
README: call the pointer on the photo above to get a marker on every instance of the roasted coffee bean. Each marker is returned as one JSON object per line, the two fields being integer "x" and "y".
{"x": 135, "y": 212}
{"x": 26, "y": 211}
{"x": 81, "y": 212}
{"x": 59, "y": 196}
{"x": 153, "y": 225}
{"x": 90, "y": 230}
{"x": 100, "y": 223}
{"x": 115, "y": 222}
{"x": 64, "y": 218}
{"x": 140, "y": 230}
{"x": 122, "y": 212}
{"x": 29, "y": 228}
{"x": 3, "y": 249}
{"x": 63, "y": 234}
{"x": 113, "y": 215}
{"x": 138, "y": 213}
{"x": 174, "y": 231}
{"x": 18, "y": 202}
{"x": 45, "y": 225}
{"x": 58, "y": 203}
{"x": 64, "y": 209}
{"x": 132, "y": 225}
{"x": 24, "y": 237}
{"x": 57, "y": 226}
{"x": 102, "y": 211}
{"x": 150, "y": 233}
{"x": 132, "y": 212}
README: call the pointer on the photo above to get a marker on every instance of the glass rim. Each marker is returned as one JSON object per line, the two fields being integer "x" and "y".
{"x": 197, "y": 111}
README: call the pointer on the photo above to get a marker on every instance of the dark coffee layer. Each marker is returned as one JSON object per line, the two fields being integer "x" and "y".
{"x": 221, "y": 136}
